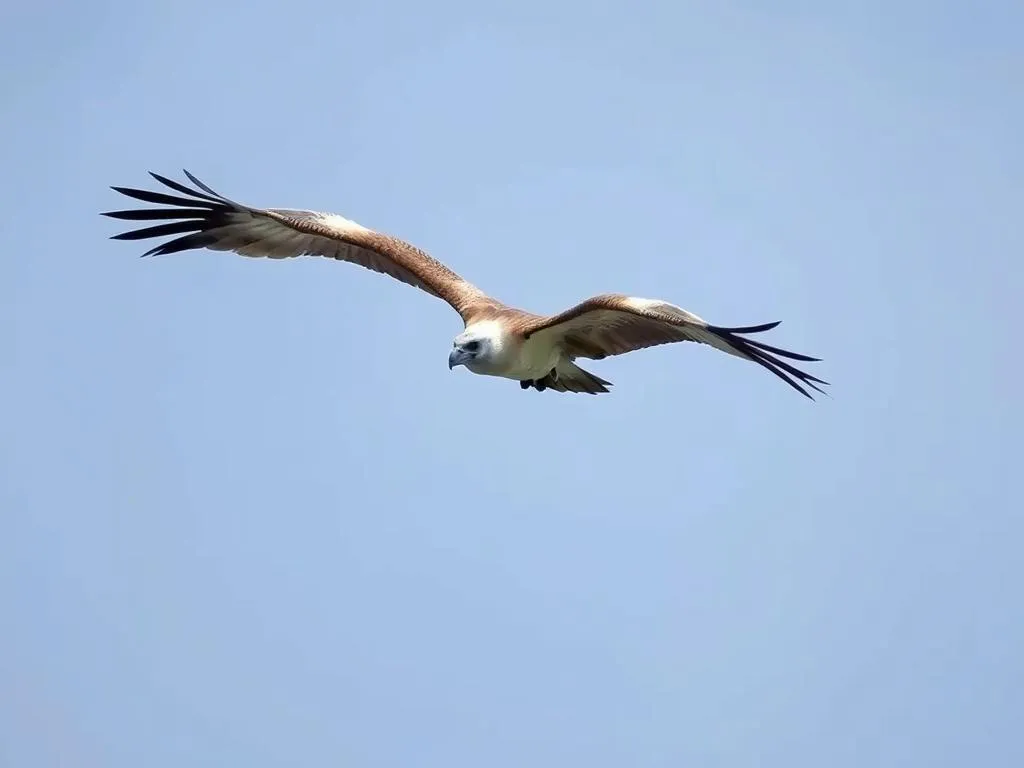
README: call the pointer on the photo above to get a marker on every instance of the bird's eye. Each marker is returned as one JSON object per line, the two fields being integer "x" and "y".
{"x": 472, "y": 345}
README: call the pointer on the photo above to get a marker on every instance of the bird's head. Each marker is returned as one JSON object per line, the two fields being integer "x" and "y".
{"x": 475, "y": 348}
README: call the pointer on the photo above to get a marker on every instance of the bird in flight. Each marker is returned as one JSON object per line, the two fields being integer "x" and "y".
{"x": 538, "y": 351}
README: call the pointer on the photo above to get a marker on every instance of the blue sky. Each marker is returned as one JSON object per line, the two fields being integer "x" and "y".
{"x": 250, "y": 517}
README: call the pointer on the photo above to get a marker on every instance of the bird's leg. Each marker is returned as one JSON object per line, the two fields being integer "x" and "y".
{"x": 540, "y": 384}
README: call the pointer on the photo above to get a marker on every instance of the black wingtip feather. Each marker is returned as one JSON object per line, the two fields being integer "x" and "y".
{"x": 160, "y": 198}
{"x": 149, "y": 214}
{"x": 160, "y": 230}
{"x": 185, "y": 243}
{"x": 764, "y": 355}
{"x": 195, "y": 215}
{"x": 199, "y": 184}
{"x": 783, "y": 352}
{"x": 179, "y": 187}
{"x": 749, "y": 328}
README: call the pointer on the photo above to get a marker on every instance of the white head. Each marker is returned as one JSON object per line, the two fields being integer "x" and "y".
{"x": 478, "y": 348}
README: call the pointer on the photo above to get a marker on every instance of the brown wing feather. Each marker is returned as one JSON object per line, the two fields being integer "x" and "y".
{"x": 613, "y": 324}
{"x": 210, "y": 220}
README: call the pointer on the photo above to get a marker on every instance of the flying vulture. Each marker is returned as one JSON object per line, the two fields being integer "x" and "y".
{"x": 538, "y": 351}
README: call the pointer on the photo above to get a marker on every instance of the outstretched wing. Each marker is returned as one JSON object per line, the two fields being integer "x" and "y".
{"x": 206, "y": 219}
{"x": 613, "y": 324}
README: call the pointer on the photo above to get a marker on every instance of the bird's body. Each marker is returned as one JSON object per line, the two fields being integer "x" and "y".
{"x": 538, "y": 351}
{"x": 511, "y": 356}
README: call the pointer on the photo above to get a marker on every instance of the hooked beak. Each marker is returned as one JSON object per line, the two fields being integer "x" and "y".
{"x": 458, "y": 356}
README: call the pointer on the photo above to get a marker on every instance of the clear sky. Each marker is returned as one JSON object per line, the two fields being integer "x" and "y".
{"x": 250, "y": 518}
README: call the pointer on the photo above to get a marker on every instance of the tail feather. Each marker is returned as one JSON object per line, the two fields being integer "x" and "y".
{"x": 572, "y": 378}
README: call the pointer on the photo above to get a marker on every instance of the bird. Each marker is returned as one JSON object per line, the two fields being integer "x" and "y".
{"x": 498, "y": 340}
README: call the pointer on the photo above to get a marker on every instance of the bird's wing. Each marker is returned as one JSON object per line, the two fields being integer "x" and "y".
{"x": 613, "y": 324}
{"x": 206, "y": 219}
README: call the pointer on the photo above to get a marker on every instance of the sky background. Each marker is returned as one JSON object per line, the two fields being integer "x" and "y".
{"x": 250, "y": 518}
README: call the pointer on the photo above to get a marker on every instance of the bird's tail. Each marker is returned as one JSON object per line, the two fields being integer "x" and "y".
{"x": 572, "y": 378}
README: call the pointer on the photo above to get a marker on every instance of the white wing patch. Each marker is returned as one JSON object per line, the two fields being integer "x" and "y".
{"x": 640, "y": 304}
{"x": 335, "y": 221}
{"x": 326, "y": 220}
